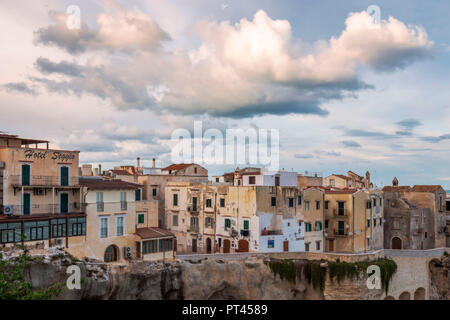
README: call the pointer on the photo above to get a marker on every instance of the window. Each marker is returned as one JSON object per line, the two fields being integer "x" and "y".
{"x": 306, "y": 205}
{"x": 291, "y": 202}
{"x": 217, "y": 179}
{"x": 194, "y": 204}
{"x": 341, "y": 228}
{"x": 26, "y": 174}
{"x": 222, "y": 202}
{"x": 194, "y": 223}
{"x": 123, "y": 200}
{"x": 175, "y": 200}
{"x": 380, "y": 201}
{"x": 155, "y": 192}
{"x": 100, "y": 206}
{"x": 141, "y": 218}
{"x": 368, "y": 223}
{"x": 307, "y": 246}
{"x": 326, "y": 204}
{"x": 274, "y": 202}
{"x": 318, "y": 226}
{"x": 208, "y": 203}
{"x": 120, "y": 222}
{"x": 138, "y": 195}
{"x": 251, "y": 180}
{"x": 175, "y": 221}
{"x": 58, "y": 228}
{"x": 341, "y": 208}
{"x": 332, "y": 182}
{"x": 36, "y": 230}
{"x": 374, "y": 202}
{"x": 308, "y": 227}
{"x": 77, "y": 227}
{"x": 227, "y": 223}
{"x": 10, "y": 232}
{"x": 209, "y": 222}
{"x": 374, "y": 222}
{"x": 150, "y": 246}
{"x": 317, "y": 205}
{"x": 396, "y": 224}
{"x": 64, "y": 176}
{"x": 299, "y": 200}
{"x": 165, "y": 245}
{"x": 318, "y": 245}
{"x": 246, "y": 224}
{"x": 195, "y": 170}
{"x": 380, "y": 222}
{"x": 326, "y": 224}
{"x": 368, "y": 204}
{"x": 104, "y": 226}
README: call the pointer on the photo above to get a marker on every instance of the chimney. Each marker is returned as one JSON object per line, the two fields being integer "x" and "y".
{"x": 138, "y": 163}
{"x": 368, "y": 180}
{"x": 154, "y": 163}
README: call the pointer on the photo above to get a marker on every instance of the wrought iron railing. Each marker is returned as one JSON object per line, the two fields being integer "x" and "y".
{"x": 37, "y": 180}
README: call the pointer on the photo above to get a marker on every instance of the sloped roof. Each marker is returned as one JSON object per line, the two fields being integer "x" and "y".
{"x": 121, "y": 172}
{"x": 176, "y": 167}
{"x": 97, "y": 184}
{"x": 152, "y": 233}
{"x": 341, "y": 191}
{"x": 425, "y": 188}
{"x": 396, "y": 188}
{"x": 341, "y": 176}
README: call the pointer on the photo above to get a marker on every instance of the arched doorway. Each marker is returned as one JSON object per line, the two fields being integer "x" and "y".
{"x": 208, "y": 245}
{"x": 396, "y": 243}
{"x": 389, "y": 298}
{"x": 405, "y": 296}
{"x": 243, "y": 246}
{"x": 419, "y": 294}
{"x": 111, "y": 254}
{"x": 226, "y": 246}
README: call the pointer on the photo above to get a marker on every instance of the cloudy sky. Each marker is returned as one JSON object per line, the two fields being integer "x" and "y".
{"x": 345, "y": 93}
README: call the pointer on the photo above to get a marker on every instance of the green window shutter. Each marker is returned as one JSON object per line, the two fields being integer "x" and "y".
{"x": 64, "y": 205}
{"x": 64, "y": 176}
{"x": 138, "y": 195}
{"x": 274, "y": 201}
{"x": 154, "y": 192}
{"x": 26, "y": 170}
{"x": 26, "y": 204}
{"x": 246, "y": 224}
{"x": 141, "y": 218}
{"x": 175, "y": 200}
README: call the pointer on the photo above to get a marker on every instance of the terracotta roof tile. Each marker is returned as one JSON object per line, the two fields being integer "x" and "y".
{"x": 176, "y": 167}
{"x": 96, "y": 184}
{"x": 397, "y": 188}
{"x": 152, "y": 233}
{"x": 428, "y": 188}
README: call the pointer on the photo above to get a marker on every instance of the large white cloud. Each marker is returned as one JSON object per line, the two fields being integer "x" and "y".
{"x": 239, "y": 70}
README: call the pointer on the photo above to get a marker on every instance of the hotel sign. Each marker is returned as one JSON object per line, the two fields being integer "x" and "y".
{"x": 31, "y": 154}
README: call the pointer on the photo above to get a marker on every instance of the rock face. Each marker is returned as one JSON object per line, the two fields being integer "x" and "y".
{"x": 439, "y": 279}
{"x": 246, "y": 278}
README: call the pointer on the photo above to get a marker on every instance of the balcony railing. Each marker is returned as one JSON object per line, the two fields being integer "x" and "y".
{"x": 343, "y": 213}
{"x": 340, "y": 232}
{"x": 44, "y": 209}
{"x": 193, "y": 229}
{"x": 109, "y": 206}
{"x": 271, "y": 232}
{"x": 18, "y": 180}
{"x": 245, "y": 233}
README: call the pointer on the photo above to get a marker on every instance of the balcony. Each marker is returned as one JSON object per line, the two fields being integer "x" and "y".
{"x": 42, "y": 181}
{"x": 193, "y": 228}
{"x": 340, "y": 233}
{"x": 340, "y": 213}
{"x": 44, "y": 209}
{"x": 109, "y": 206}
{"x": 271, "y": 232}
{"x": 245, "y": 233}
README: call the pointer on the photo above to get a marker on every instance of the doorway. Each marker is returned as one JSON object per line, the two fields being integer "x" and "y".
{"x": 396, "y": 243}
{"x": 331, "y": 245}
{"x": 243, "y": 246}
{"x": 26, "y": 174}
{"x": 226, "y": 246}
{"x": 27, "y": 204}
{"x": 286, "y": 246}
{"x": 64, "y": 176}
{"x": 111, "y": 254}
{"x": 194, "y": 245}
{"x": 64, "y": 203}
{"x": 208, "y": 245}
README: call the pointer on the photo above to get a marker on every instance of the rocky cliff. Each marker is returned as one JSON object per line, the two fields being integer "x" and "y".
{"x": 244, "y": 278}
